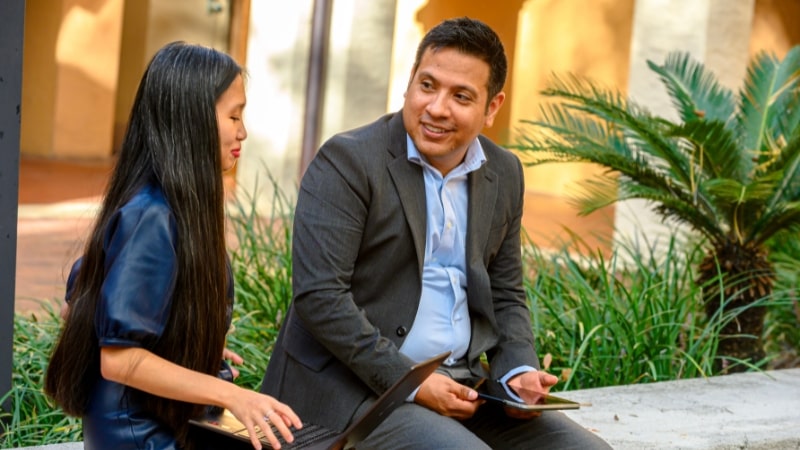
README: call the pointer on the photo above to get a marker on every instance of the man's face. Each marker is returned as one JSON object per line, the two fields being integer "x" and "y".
{"x": 445, "y": 105}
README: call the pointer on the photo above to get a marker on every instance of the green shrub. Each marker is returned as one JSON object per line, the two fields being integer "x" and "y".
{"x": 33, "y": 420}
{"x": 261, "y": 259}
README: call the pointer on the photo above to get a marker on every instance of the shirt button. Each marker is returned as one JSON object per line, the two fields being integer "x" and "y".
{"x": 401, "y": 331}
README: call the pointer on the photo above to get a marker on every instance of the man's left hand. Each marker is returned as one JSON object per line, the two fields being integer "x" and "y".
{"x": 534, "y": 381}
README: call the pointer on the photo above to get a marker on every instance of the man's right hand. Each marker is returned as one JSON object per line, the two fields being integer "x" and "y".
{"x": 447, "y": 397}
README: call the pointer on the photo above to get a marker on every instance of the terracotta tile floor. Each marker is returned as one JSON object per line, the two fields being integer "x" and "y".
{"x": 57, "y": 205}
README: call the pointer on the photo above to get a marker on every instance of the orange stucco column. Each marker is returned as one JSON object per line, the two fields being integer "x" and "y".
{"x": 70, "y": 78}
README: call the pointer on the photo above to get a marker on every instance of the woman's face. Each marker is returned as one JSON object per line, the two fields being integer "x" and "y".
{"x": 230, "y": 107}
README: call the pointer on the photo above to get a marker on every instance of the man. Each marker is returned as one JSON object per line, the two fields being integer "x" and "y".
{"x": 406, "y": 245}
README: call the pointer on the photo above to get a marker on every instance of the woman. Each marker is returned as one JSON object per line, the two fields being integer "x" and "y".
{"x": 149, "y": 301}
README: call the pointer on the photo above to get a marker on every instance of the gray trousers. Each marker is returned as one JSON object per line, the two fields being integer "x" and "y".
{"x": 412, "y": 426}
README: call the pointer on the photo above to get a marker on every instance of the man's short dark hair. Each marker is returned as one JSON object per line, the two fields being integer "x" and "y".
{"x": 471, "y": 37}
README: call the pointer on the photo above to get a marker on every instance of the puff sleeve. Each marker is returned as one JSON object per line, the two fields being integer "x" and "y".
{"x": 140, "y": 273}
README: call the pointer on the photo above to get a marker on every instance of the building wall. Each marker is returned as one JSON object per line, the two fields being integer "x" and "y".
{"x": 87, "y": 56}
{"x": 42, "y": 20}
{"x": 83, "y": 60}
{"x": 70, "y": 61}
{"x": 80, "y": 69}
{"x": 557, "y": 37}
{"x": 148, "y": 25}
{"x": 776, "y": 26}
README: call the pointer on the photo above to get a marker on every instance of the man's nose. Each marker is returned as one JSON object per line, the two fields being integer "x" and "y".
{"x": 437, "y": 106}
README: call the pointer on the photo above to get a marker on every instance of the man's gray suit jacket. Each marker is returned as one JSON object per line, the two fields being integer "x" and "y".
{"x": 358, "y": 247}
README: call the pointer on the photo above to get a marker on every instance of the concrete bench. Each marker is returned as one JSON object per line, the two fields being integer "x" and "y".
{"x": 742, "y": 411}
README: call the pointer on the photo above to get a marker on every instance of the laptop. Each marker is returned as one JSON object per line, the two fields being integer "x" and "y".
{"x": 315, "y": 437}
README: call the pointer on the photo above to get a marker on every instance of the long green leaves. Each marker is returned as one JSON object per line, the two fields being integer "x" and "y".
{"x": 262, "y": 264}
{"x": 33, "y": 419}
{"x": 770, "y": 90}
{"x": 695, "y": 91}
{"x": 609, "y": 323}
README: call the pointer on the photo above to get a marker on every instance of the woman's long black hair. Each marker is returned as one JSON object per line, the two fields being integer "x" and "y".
{"x": 172, "y": 140}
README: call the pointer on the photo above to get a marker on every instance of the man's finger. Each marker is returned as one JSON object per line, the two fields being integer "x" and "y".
{"x": 468, "y": 394}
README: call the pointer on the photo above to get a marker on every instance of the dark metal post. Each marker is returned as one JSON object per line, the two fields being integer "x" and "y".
{"x": 315, "y": 87}
{"x": 12, "y": 17}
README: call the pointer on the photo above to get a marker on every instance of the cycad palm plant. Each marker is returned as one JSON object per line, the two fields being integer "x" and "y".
{"x": 728, "y": 168}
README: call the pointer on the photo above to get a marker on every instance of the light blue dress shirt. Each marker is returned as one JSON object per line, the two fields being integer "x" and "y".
{"x": 442, "y": 322}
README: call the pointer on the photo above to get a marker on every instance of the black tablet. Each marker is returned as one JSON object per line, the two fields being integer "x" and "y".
{"x": 534, "y": 401}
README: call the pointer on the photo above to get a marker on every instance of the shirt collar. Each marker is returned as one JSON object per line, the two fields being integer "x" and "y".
{"x": 474, "y": 159}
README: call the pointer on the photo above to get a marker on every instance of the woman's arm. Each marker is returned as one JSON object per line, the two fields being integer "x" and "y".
{"x": 143, "y": 370}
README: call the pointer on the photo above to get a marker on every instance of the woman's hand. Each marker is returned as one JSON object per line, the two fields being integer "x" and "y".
{"x": 231, "y": 356}
{"x": 254, "y": 409}
{"x": 146, "y": 371}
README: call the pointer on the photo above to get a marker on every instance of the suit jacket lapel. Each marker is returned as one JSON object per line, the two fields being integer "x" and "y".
{"x": 410, "y": 185}
{"x": 482, "y": 185}
{"x": 482, "y": 199}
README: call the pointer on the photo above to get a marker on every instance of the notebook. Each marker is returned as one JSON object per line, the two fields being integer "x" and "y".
{"x": 315, "y": 437}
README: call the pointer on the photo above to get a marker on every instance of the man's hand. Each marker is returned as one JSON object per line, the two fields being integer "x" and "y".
{"x": 536, "y": 381}
{"x": 447, "y": 397}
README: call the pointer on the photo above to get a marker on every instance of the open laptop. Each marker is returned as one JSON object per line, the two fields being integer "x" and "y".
{"x": 315, "y": 437}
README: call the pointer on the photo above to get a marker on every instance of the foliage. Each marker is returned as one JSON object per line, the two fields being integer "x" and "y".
{"x": 262, "y": 266}
{"x": 634, "y": 317}
{"x": 729, "y": 168}
{"x": 33, "y": 420}
{"x": 782, "y": 324}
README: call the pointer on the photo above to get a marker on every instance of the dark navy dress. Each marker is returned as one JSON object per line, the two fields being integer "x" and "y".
{"x": 134, "y": 305}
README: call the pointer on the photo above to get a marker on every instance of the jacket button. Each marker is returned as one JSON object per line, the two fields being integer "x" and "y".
{"x": 402, "y": 331}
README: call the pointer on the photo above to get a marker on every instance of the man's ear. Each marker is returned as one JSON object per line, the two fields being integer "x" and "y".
{"x": 493, "y": 108}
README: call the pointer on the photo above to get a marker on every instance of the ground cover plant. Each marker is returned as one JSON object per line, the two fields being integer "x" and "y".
{"x": 634, "y": 317}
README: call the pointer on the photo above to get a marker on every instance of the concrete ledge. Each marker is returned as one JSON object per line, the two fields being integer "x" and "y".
{"x": 69, "y": 446}
{"x": 742, "y": 411}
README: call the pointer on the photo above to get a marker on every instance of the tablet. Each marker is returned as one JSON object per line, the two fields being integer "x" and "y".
{"x": 534, "y": 401}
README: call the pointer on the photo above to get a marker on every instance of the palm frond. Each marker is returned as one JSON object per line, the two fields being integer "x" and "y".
{"x": 677, "y": 207}
{"x": 695, "y": 91}
{"x": 729, "y": 170}
{"x": 784, "y": 219}
{"x": 714, "y": 150}
{"x": 642, "y": 132}
{"x": 769, "y": 83}
{"x": 726, "y": 190}
{"x": 573, "y": 141}
{"x": 597, "y": 192}
{"x": 788, "y": 123}
{"x": 745, "y": 205}
{"x": 561, "y": 127}
{"x": 789, "y": 163}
